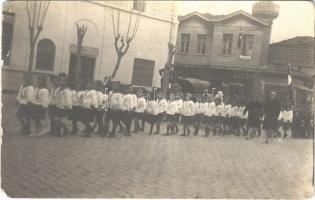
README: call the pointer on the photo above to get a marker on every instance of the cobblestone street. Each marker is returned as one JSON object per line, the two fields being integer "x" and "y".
{"x": 143, "y": 166}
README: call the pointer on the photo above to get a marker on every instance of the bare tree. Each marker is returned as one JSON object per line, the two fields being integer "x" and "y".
{"x": 36, "y": 13}
{"x": 121, "y": 42}
{"x": 81, "y": 31}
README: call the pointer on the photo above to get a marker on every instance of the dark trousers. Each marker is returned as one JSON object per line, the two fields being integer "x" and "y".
{"x": 197, "y": 123}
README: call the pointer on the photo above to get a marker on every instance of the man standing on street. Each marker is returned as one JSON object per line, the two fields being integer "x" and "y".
{"x": 271, "y": 110}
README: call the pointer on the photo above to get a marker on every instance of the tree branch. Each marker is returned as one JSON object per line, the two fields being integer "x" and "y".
{"x": 122, "y": 45}
{"x": 130, "y": 19}
{"x": 116, "y": 43}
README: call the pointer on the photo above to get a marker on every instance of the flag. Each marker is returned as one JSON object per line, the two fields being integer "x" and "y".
{"x": 290, "y": 86}
{"x": 240, "y": 38}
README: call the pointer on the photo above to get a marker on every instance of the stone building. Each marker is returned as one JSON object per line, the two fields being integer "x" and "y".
{"x": 299, "y": 53}
{"x": 56, "y": 47}
{"x": 230, "y": 51}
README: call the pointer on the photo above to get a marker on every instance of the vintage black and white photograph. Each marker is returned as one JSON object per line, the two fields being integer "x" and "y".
{"x": 157, "y": 99}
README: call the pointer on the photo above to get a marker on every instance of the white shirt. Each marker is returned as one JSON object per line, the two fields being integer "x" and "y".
{"x": 102, "y": 101}
{"x": 141, "y": 105}
{"x": 89, "y": 99}
{"x": 280, "y": 117}
{"x": 188, "y": 108}
{"x": 26, "y": 95}
{"x": 199, "y": 107}
{"x": 172, "y": 108}
{"x": 75, "y": 98}
{"x": 211, "y": 109}
{"x": 179, "y": 105}
{"x": 128, "y": 102}
{"x": 226, "y": 112}
{"x": 134, "y": 101}
{"x": 42, "y": 97}
{"x": 162, "y": 105}
{"x": 240, "y": 112}
{"x": 116, "y": 101}
{"x": 220, "y": 109}
{"x": 287, "y": 116}
{"x": 152, "y": 108}
{"x": 53, "y": 95}
{"x": 64, "y": 99}
{"x": 234, "y": 111}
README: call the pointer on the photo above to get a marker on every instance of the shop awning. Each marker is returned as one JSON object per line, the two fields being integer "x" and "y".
{"x": 193, "y": 85}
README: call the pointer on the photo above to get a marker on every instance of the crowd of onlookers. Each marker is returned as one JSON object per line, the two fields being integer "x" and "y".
{"x": 102, "y": 107}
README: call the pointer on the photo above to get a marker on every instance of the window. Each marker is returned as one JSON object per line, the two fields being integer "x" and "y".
{"x": 227, "y": 44}
{"x": 139, "y": 5}
{"x": 7, "y": 35}
{"x": 45, "y": 58}
{"x": 201, "y": 43}
{"x": 185, "y": 39}
{"x": 143, "y": 71}
{"x": 247, "y": 46}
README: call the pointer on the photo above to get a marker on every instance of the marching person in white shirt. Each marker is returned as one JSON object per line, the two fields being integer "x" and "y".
{"x": 188, "y": 111}
{"x": 76, "y": 113}
{"x": 115, "y": 106}
{"x": 277, "y": 132}
{"x": 63, "y": 105}
{"x": 89, "y": 104}
{"x": 170, "y": 115}
{"x": 226, "y": 115}
{"x": 199, "y": 114}
{"x": 287, "y": 117}
{"x": 127, "y": 108}
{"x": 162, "y": 107}
{"x": 243, "y": 119}
{"x": 210, "y": 113}
{"x": 179, "y": 101}
{"x": 53, "y": 94}
{"x": 24, "y": 98}
{"x": 102, "y": 100}
{"x": 152, "y": 113}
{"x": 140, "y": 109}
{"x": 41, "y": 102}
{"x": 235, "y": 120}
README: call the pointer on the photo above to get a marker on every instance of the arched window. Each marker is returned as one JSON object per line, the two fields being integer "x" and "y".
{"x": 45, "y": 57}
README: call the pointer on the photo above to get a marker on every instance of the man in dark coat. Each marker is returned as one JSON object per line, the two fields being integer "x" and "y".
{"x": 271, "y": 111}
{"x": 254, "y": 109}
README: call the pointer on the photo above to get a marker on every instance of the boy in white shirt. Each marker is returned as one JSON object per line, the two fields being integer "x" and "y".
{"x": 162, "y": 107}
{"x": 198, "y": 117}
{"x": 53, "y": 94}
{"x": 128, "y": 105}
{"x": 24, "y": 100}
{"x": 115, "y": 106}
{"x": 89, "y": 104}
{"x": 140, "y": 109}
{"x": 100, "y": 107}
{"x": 76, "y": 113}
{"x": 243, "y": 119}
{"x": 226, "y": 114}
{"x": 287, "y": 117}
{"x": 235, "y": 120}
{"x": 41, "y": 102}
{"x": 188, "y": 111}
{"x": 170, "y": 115}
{"x": 152, "y": 112}
{"x": 63, "y": 104}
{"x": 277, "y": 132}
{"x": 179, "y": 102}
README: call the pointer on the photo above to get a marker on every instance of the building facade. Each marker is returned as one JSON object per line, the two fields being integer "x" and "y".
{"x": 299, "y": 53}
{"x": 230, "y": 51}
{"x": 55, "y": 51}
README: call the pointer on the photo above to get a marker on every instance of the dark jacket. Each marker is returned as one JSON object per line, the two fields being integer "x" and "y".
{"x": 254, "y": 109}
{"x": 271, "y": 111}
